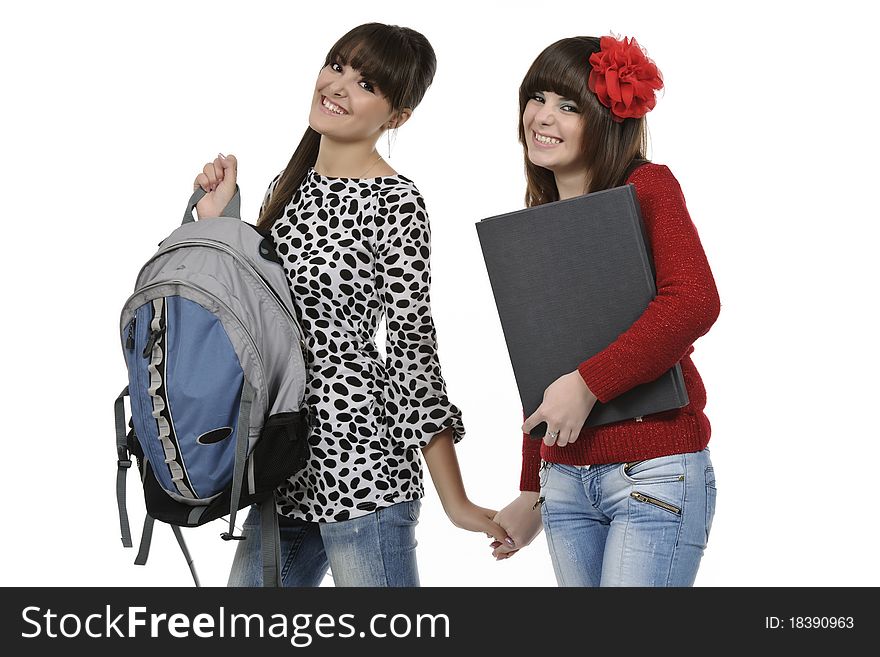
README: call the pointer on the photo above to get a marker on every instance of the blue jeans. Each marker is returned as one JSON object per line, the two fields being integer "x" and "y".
{"x": 377, "y": 549}
{"x": 644, "y": 523}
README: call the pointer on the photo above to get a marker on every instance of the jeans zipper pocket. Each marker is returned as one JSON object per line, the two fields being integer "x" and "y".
{"x": 641, "y": 497}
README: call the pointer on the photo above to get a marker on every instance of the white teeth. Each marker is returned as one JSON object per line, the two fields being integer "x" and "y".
{"x": 547, "y": 140}
{"x": 333, "y": 108}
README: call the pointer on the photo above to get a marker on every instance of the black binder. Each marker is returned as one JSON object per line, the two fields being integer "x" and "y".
{"x": 568, "y": 278}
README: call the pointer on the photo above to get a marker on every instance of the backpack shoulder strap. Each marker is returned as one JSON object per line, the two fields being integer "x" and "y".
{"x": 147, "y": 538}
{"x": 123, "y": 463}
{"x": 248, "y": 394}
{"x": 270, "y": 543}
{"x": 189, "y": 560}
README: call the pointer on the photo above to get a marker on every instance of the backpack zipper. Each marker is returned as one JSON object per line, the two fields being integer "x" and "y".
{"x": 227, "y": 309}
{"x": 220, "y": 246}
{"x": 129, "y": 342}
{"x": 155, "y": 335}
{"x": 641, "y": 497}
{"x": 151, "y": 341}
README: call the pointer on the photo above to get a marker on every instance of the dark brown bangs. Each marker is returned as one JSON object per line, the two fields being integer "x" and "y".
{"x": 561, "y": 70}
{"x": 382, "y": 60}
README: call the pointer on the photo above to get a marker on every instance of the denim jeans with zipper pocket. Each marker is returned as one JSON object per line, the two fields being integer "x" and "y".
{"x": 643, "y": 523}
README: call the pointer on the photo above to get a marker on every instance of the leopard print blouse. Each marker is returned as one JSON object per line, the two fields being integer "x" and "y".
{"x": 355, "y": 249}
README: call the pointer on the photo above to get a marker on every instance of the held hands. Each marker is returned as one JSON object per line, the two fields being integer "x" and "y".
{"x": 467, "y": 515}
{"x": 440, "y": 456}
{"x": 567, "y": 403}
{"x": 218, "y": 180}
{"x": 522, "y": 520}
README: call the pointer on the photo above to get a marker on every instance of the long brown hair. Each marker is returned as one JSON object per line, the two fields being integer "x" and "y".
{"x": 611, "y": 150}
{"x": 398, "y": 61}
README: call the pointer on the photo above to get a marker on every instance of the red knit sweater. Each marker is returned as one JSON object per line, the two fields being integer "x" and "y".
{"x": 685, "y": 307}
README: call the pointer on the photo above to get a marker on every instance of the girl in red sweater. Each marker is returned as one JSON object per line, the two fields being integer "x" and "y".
{"x": 629, "y": 503}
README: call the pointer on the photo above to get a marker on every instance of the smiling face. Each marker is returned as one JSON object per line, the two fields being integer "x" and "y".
{"x": 346, "y": 106}
{"x": 554, "y": 129}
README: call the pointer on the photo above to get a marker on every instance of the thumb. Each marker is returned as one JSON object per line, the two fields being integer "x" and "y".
{"x": 230, "y": 166}
{"x": 500, "y": 534}
{"x": 534, "y": 419}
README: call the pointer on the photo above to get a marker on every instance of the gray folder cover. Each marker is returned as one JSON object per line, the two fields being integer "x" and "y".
{"x": 568, "y": 278}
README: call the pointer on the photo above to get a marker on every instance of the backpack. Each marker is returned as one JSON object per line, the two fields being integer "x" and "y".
{"x": 216, "y": 382}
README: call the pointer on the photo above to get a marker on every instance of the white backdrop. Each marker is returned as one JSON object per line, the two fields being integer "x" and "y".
{"x": 110, "y": 109}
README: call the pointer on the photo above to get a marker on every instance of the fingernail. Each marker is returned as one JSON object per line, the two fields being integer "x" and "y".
{"x": 509, "y": 541}
{"x": 222, "y": 156}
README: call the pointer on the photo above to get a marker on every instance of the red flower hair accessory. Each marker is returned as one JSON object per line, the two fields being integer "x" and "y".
{"x": 624, "y": 78}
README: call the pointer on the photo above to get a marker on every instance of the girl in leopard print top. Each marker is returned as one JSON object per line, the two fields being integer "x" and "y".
{"x": 354, "y": 239}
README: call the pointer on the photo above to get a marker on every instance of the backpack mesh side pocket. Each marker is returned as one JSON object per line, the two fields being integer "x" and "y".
{"x": 283, "y": 449}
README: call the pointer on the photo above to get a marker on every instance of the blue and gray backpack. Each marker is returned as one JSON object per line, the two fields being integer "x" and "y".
{"x": 216, "y": 371}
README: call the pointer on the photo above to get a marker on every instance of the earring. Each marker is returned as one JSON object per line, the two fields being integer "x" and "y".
{"x": 388, "y": 133}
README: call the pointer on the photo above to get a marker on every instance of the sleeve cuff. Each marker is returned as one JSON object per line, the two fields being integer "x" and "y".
{"x": 600, "y": 379}
{"x": 531, "y": 465}
{"x": 413, "y": 435}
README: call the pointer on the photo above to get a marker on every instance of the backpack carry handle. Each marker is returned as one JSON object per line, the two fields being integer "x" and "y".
{"x": 232, "y": 209}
